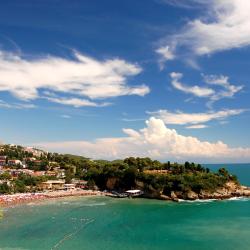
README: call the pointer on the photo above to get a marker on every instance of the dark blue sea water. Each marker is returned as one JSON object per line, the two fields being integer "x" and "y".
{"x": 240, "y": 170}
{"x": 101, "y": 223}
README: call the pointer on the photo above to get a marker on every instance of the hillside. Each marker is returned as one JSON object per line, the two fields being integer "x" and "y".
{"x": 23, "y": 169}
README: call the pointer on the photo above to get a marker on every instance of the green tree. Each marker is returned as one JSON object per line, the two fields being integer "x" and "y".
{"x": 223, "y": 172}
{"x": 5, "y": 176}
{"x": 5, "y": 188}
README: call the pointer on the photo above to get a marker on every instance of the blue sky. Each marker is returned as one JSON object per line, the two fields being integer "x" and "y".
{"x": 85, "y": 76}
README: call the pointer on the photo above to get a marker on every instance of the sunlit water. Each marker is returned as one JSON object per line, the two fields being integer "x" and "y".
{"x": 92, "y": 223}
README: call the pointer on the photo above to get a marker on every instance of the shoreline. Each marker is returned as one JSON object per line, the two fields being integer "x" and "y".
{"x": 207, "y": 199}
{"x": 24, "y": 198}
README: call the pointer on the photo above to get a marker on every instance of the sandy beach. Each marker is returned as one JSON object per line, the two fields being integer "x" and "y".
{"x": 21, "y": 198}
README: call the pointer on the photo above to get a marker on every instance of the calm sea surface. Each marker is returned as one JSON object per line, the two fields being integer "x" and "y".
{"x": 129, "y": 224}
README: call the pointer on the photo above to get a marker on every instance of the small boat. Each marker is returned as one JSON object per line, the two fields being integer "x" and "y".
{"x": 134, "y": 193}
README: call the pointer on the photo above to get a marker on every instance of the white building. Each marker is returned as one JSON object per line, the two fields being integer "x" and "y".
{"x": 14, "y": 162}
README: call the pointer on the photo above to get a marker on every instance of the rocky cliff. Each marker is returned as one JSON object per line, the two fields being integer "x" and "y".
{"x": 230, "y": 190}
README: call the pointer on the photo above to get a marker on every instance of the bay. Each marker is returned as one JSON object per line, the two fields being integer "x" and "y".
{"x": 92, "y": 223}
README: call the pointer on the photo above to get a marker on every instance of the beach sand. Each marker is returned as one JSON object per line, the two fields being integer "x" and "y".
{"x": 21, "y": 198}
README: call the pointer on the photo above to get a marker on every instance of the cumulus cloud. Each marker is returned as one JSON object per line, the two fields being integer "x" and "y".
{"x": 227, "y": 90}
{"x": 180, "y": 118}
{"x": 225, "y": 26}
{"x": 156, "y": 141}
{"x": 80, "y": 76}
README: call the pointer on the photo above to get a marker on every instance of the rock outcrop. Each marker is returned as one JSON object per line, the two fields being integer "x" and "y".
{"x": 111, "y": 183}
{"x": 230, "y": 189}
{"x": 191, "y": 195}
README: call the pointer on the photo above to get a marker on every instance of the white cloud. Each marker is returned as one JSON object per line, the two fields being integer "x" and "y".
{"x": 4, "y": 104}
{"x": 165, "y": 51}
{"x": 81, "y": 76}
{"x": 227, "y": 90}
{"x": 195, "y": 90}
{"x": 131, "y": 132}
{"x": 180, "y": 118}
{"x": 185, "y": 3}
{"x": 198, "y": 126}
{"x": 166, "y": 55}
{"x": 225, "y": 26}
{"x": 133, "y": 119}
{"x": 76, "y": 102}
{"x": 156, "y": 141}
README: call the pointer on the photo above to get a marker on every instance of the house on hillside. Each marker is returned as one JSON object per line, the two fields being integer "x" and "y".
{"x": 31, "y": 159}
{"x": 27, "y": 171}
{"x": 69, "y": 187}
{"x": 80, "y": 183}
{"x": 2, "y": 163}
{"x": 52, "y": 185}
{"x": 14, "y": 172}
{"x": 51, "y": 173}
{"x": 39, "y": 173}
{"x": 15, "y": 163}
{"x": 35, "y": 152}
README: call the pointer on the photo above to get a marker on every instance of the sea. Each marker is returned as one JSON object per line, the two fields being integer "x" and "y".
{"x": 102, "y": 223}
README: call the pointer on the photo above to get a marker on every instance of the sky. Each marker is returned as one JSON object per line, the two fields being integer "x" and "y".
{"x": 167, "y": 79}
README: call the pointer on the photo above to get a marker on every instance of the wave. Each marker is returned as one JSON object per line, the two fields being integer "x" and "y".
{"x": 81, "y": 204}
{"x": 197, "y": 201}
{"x": 212, "y": 200}
{"x": 239, "y": 199}
{"x": 94, "y": 204}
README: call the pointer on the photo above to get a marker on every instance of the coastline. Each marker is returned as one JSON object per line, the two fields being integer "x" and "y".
{"x": 23, "y": 198}
{"x": 229, "y": 191}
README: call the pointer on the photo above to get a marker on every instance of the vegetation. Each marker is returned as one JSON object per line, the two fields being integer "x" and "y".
{"x": 23, "y": 183}
{"x": 117, "y": 175}
{"x": 174, "y": 177}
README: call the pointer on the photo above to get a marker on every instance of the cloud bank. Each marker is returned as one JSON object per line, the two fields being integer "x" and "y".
{"x": 156, "y": 141}
{"x": 80, "y": 76}
{"x": 180, "y": 118}
{"x": 225, "y": 26}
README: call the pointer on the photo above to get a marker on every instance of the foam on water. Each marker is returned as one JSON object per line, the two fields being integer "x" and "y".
{"x": 239, "y": 199}
{"x": 95, "y": 204}
{"x": 197, "y": 201}
{"x": 213, "y": 200}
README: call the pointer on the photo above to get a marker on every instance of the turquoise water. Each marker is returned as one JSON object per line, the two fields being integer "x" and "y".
{"x": 118, "y": 224}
